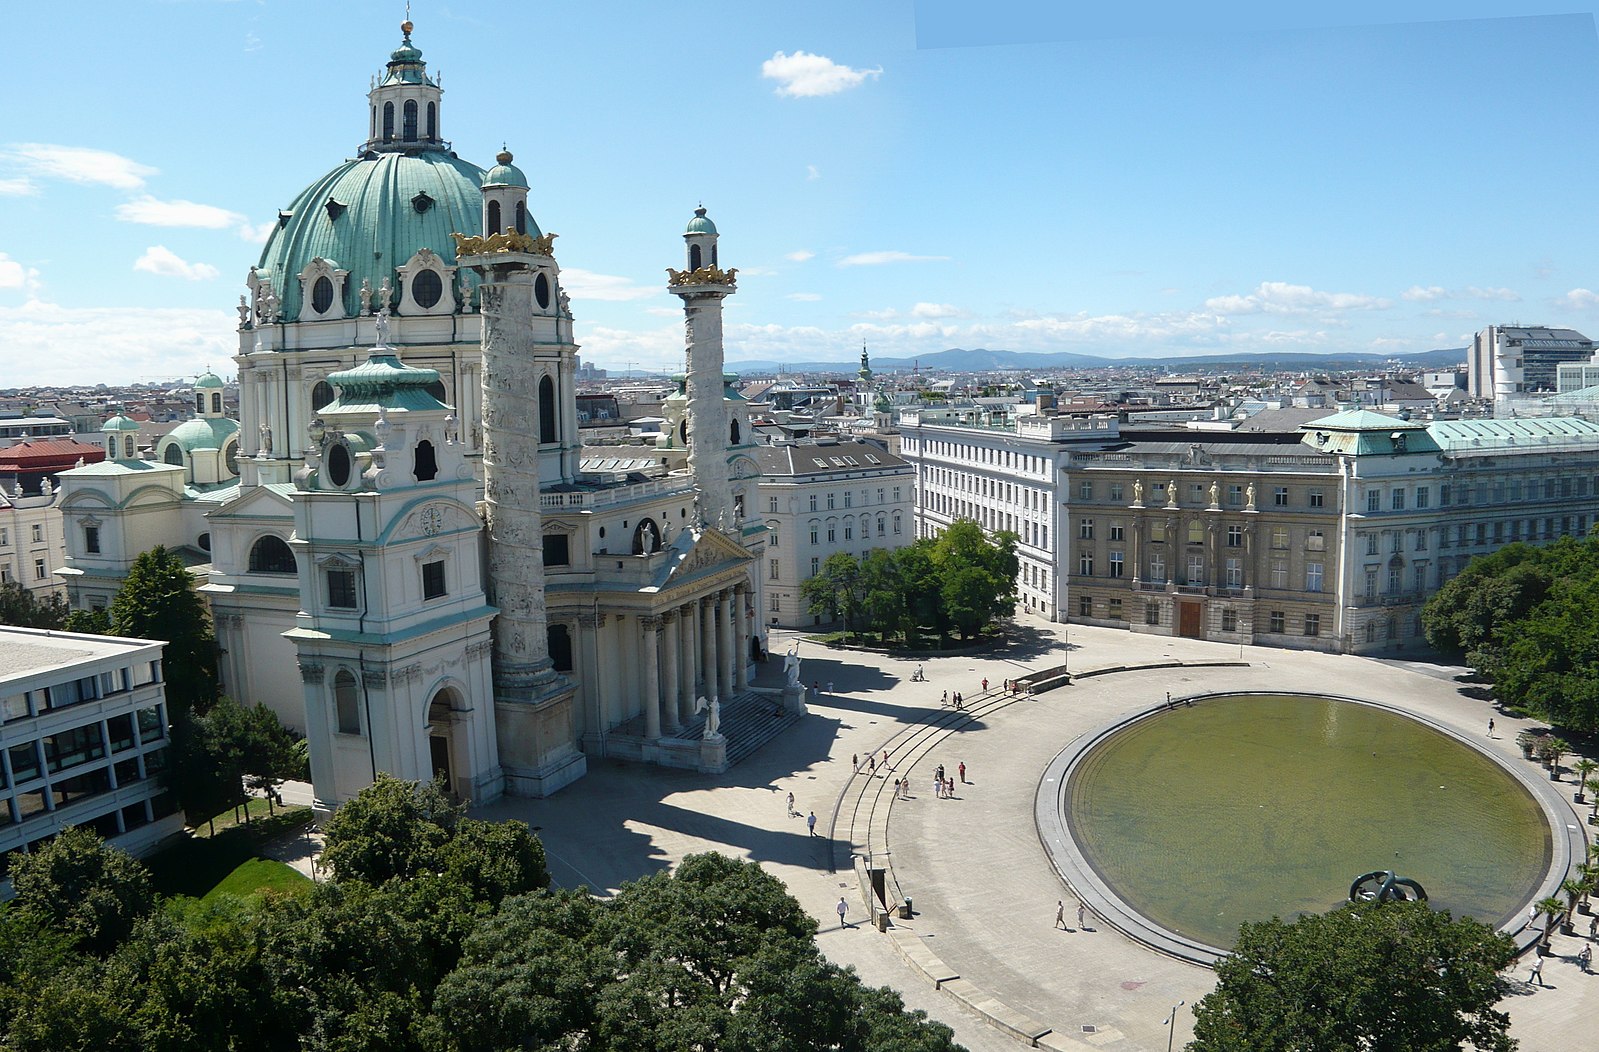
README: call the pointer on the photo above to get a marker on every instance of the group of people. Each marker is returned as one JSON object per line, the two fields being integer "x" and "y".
{"x": 959, "y": 701}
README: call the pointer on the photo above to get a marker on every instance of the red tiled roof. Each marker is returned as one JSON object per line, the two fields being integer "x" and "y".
{"x": 37, "y": 453}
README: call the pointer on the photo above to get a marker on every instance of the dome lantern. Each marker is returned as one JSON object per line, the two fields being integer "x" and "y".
{"x": 403, "y": 106}
{"x": 505, "y": 198}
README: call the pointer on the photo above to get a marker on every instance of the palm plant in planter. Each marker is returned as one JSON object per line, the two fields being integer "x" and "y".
{"x": 1551, "y": 751}
{"x": 1584, "y": 767}
{"x": 1593, "y": 787}
{"x": 1549, "y": 909}
{"x": 1529, "y": 742}
{"x": 1573, "y": 888}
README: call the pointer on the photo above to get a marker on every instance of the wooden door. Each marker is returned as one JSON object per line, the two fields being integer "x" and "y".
{"x": 1188, "y": 620}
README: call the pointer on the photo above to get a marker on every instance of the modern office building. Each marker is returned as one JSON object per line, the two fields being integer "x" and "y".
{"x": 84, "y": 739}
{"x": 1507, "y": 363}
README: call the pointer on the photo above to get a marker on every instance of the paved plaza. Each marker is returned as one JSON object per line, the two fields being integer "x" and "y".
{"x": 983, "y": 888}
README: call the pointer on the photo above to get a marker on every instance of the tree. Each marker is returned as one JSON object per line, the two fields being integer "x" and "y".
{"x": 77, "y": 885}
{"x": 835, "y": 591}
{"x": 20, "y": 608}
{"x": 1551, "y": 909}
{"x": 391, "y": 829}
{"x": 1394, "y": 976}
{"x": 157, "y": 600}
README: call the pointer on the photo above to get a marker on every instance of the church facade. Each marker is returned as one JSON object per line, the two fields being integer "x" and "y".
{"x": 406, "y": 559}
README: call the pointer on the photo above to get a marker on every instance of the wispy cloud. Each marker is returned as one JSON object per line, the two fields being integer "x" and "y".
{"x": 77, "y": 164}
{"x": 51, "y": 344}
{"x": 804, "y": 75}
{"x": 937, "y": 310}
{"x": 804, "y": 297}
{"x": 812, "y": 172}
{"x": 152, "y": 212}
{"x": 1279, "y": 297}
{"x": 800, "y": 256}
{"x": 1429, "y": 293}
{"x": 1418, "y": 294}
{"x": 877, "y": 259}
{"x": 158, "y": 259}
{"x": 1579, "y": 299}
{"x": 587, "y": 285}
{"x": 18, "y": 187}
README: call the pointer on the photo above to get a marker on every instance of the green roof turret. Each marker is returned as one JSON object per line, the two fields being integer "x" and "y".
{"x": 700, "y": 224}
{"x": 504, "y": 173}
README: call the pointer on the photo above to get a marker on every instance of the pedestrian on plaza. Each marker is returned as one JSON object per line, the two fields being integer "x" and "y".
{"x": 871, "y": 764}
{"x": 843, "y": 908}
{"x": 1060, "y": 913}
{"x": 1593, "y": 927}
{"x": 896, "y": 788}
{"x": 810, "y": 823}
{"x": 985, "y": 682}
{"x": 1585, "y": 958}
{"x": 949, "y": 789}
{"x": 962, "y": 770}
{"x": 938, "y": 787}
{"x": 940, "y": 772}
{"x": 1490, "y": 727}
{"x": 1081, "y": 913}
{"x": 855, "y": 762}
{"x": 944, "y": 700}
{"x": 1537, "y": 973}
{"x": 885, "y": 760}
{"x": 791, "y": 805}
{"x": 830, "y": 686}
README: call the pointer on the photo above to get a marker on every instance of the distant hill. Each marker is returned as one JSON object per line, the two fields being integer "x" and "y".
{"x": 983, "y": 360}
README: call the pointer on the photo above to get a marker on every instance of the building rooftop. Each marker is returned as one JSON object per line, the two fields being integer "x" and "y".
{"x": 29, "y": 651}
{"x": 819, "y": 459}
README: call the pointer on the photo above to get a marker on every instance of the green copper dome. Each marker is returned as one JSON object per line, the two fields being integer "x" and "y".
{"x": 120, "y": 423}
{"x": 201, "y": 433}
{"x": 699, "y": 224}
{"x": 372, "y": 215}
{"x": 208, "y": 379}
{"x": 504, "y": 173}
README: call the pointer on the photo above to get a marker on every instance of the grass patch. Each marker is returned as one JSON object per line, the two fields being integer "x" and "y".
{"x": 258, "y": 875}
{"x": 198, "y": 863}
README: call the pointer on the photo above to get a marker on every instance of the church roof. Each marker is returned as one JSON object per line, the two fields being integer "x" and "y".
{"x": 700, "y": 224}
{"x": 208, "y": 379}
{"x": 120, "y": 423}
{"x": 372, "y": 215}
{"x": 384, "y": 381}
{"x": 504, "y": 173}
{"x": 201, "y": 433}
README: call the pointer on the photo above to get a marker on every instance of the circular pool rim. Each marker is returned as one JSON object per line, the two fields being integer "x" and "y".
{"x": 1566, "y": 836}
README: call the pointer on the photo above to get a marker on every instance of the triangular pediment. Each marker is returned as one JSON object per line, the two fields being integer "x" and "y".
{"x": 256, "y": 502}
{"x": 711, "y": 550}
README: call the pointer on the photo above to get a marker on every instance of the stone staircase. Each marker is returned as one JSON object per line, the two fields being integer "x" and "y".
{"x": 749, "y": 721}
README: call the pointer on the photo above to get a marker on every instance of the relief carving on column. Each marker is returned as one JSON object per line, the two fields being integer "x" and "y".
{"x": 311, "y": 671}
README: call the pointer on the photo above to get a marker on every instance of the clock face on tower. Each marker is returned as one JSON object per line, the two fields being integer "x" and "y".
{"x": 432, "y": 519}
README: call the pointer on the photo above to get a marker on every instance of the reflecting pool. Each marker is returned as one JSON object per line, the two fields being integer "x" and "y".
{"x": 1240, "y": 807}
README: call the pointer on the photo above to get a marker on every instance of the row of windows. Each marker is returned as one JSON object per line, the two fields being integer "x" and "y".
{"x": 1237, "y": 494}
{"x": 1002, "y": 458}
{"x": 41, "y": 571}
{"x": 79, "y": 745}
{"x": 1506, "y": 491}
{"x": 1032, "y": 498}
{"x": 408, "y": 121}
{"x": 816, "y": 529}
{"x": 63, "y": 695}
{"x": 830, "y": 499}
{"x": 341, "y": 585}
{"x": 35, "y": 533}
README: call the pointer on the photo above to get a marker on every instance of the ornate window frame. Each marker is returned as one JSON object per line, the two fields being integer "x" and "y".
{"x": 427, "y": 259}
{"x": 314, "y": 271}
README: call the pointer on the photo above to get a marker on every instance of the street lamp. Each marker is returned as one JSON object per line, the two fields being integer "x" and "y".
{"x": 1171, "y": 1021}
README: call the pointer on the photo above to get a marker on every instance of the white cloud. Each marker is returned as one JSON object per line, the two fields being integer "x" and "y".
{"x": 800, "y": 256}
{"x": 804, "y": 297}
{"x": 19, "y": 187}
{"x": 878, "y": 315}
{"x": 812, "y": 172}
{"x": 152, "y": 212}
{"x": 78, "y": 164}
{"x": 937, "y": 310}
{"x": 1417, "y": 294}
{"x": 158, "y": 259}
{"x": 587, "y": 285}
{"x": 1507, "y": 295}
{"x": 257, "y": 233}
{"x": 1279, "y": 297}
{"x": 14, "y": 275}
{"x": 51, "y": 344}
{"x": 1579, "y": 299}
{"x": 803, "y": 75}
{"x": 874, "y": 259}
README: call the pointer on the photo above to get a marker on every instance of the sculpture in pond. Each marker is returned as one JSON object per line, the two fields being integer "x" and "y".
{"x": 1382, "y": 886}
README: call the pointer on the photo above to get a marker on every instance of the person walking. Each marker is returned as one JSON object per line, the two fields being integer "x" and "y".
{"x": 1537, "y": 973}
{"x": 810, "y": 823}
{"x": 949, "y": 789}
{"x": 1081, "y": 914}
{"x": 985, "y": 682}
{"x": 871, "y": 764}
{"x": 855, "y": 762}
{"x": 962, "y": 770}
{"x": 1593, "y": 927}
{"x": 843, "y": 908}
{"x": 938, "y": 787}
{"x": 1060, "y": 913}
{"x": 1490, "y": 727}
{"x": 791, "y": 805}
{"x": 829, "y": 687}
{"x": 1585, "y": 958}
{"x": 944, "y": 700}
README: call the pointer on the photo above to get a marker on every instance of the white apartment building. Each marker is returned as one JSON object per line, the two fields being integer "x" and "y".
{"x": 821, "y": 497}
{"x": 32, "y": 546}
{"x": 84, "y": 739}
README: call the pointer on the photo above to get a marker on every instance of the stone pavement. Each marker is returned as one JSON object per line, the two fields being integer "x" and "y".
{"x": 982, "y": 886}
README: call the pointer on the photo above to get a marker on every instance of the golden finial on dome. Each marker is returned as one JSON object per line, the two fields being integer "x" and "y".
{"x": 504, "y": 156}
{"x": 406, "y": 27}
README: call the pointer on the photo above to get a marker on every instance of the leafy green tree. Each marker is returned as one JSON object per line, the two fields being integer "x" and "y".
{"x": 883, "y": 593}
{"x": 90, "y": 622}
{"x": 92, "y": 893}
{"x": 1397, "y": 976}
{"x": 835, "y": 591}
{"x": 157, "y": 600}
{"x": 391, "y": 829}
{"x": 20, "y": 608}
{"x": 494, "y": 860}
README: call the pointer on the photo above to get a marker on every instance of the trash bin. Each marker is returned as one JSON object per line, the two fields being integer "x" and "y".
{"x": 905, "y": 909}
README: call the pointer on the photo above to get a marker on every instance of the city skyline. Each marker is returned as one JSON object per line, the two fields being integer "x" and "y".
{"x": 1385, "y": 188}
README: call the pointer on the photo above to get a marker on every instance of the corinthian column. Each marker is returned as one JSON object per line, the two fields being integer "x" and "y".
{"x": 708, "y": 646}
{"x": 687, "y": 617}
{"x": 724, "y": 641}
{"x": 652, "y": 676}
{"x": 669, "y": 678}
{"x": 741, "y": 639}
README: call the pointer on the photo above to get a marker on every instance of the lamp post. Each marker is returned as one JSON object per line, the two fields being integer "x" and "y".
{"x": 1171, "y": 1021}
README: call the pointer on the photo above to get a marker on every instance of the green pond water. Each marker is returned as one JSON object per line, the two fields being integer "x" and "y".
{"x": 1241, "y": 808}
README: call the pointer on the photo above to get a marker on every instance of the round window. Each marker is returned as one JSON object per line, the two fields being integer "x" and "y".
{"x": 339, "y": 464}
{"x": 541, "y": 289}
{"x": 205, "y": 542}
{"x": 427, "y": 288}
{"x": 230, "y": 453}
{"x": 322, "y": 295}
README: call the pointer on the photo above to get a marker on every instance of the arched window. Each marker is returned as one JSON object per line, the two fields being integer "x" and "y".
{"x": 433, "y": 120}
{"x": 408, "y": 122}
{"x": 521, "y": 217}
{"x": 372, "y": 134}
{"x": 427, "y": 464}
{"x": 732, "y": 432}
{"x": 388, "y": 122}
{"x": 347, "y": 702}
{"x": 216, "y": 401}
{"x": 546, "y": 410}
{"x": 436, "y": 389}
{"x": 321, "y": 395}
{"x": 173, "y": 455}
{"x": 494, "y": 218}
{"x": 199, "y": 401}
{"x": 694, "y": 257}
{"x": 339, "y": 464}
{"x": 127, "y": 447}
{"x": 271, "y": 554}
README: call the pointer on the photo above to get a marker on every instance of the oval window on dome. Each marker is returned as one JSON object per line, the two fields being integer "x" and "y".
{"x": 339, "y": 464}
{"x": 322, "y": 294}
{"x": 541, "y": 289}
{"x": 427, "y": 288}
{"x": 230, "y": 453}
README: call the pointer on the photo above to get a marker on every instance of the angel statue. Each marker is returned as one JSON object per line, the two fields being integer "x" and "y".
{"x": 791, "y": 666}
{"x": 713, "y": 721}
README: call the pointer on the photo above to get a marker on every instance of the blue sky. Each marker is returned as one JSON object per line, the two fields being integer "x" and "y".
{"x": 896, "y": 172}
